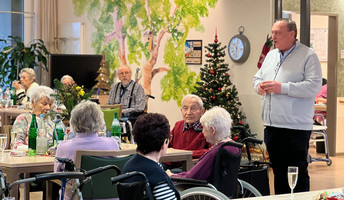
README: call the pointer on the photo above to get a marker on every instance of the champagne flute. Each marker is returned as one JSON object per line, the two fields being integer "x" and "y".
{"x": 292, "y": 177}
{"x": 3, "y": 143}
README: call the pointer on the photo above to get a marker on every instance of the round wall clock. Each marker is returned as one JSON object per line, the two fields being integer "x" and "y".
{"x": 239, "y": 47}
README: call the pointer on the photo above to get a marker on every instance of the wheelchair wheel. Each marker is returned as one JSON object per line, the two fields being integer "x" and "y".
{"x": 202, "y": 193}
{"x": 247, "y": 190}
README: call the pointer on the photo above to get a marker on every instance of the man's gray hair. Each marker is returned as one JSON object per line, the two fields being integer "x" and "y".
{"x": 117, "y": 71}
{"x": 193, "y": 96}
{"x": 87, "y": 117}
{"x": 220, "y": 119}
{"x": 40, "y": 92}
{"x": 31, "y": 72}
{"x": 66, "y": 76}
{"x": 291, "y": 25}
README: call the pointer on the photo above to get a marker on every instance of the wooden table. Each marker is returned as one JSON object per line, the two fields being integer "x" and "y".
{"x": 7, "y": 113}
{"x": 13, "y": 166}
{"x": 320, "y": 107}
{"x": 297, "y": 196}
{"x": 172, "y": 155}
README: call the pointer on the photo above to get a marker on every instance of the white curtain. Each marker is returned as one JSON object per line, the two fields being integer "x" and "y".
{"x": 46, "y": 29}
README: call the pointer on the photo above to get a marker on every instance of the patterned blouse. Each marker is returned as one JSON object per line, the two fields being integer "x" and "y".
{"x": 21, "y": 128}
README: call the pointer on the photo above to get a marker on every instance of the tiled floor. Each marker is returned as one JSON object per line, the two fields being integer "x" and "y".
{"x": 323, "y": 176}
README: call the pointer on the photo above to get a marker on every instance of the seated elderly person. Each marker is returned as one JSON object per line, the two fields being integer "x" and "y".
{"x": 67, "y": 80}
{"x": 187, "y": 133}
{"x": 41, "y": 101}
{"x": 86, "y": 120}
{"x": 27, "y": 83}
{"x": 151, "y": 134}
{"x": 216, "y": 129}
{"x": 129, "y": 93}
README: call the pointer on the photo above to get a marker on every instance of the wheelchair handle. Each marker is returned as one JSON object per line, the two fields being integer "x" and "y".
{"x": 126, "y": 176}
{"x": 253, "y": 140}
{"x": 100, "y": 169}
{"x": 49, "y": 176}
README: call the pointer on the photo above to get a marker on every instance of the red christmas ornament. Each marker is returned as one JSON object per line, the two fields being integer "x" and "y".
{"x": 219, "y": 89}
{"x": 235, "y": 138}
{"x": 212, "y": 71}
{"x": 208, "y": 55}
{"x": 204, "y": 88}
{"x": 240, "y": 122}
{"x": 214, "y": 97}
{"x": 226, "y": 74}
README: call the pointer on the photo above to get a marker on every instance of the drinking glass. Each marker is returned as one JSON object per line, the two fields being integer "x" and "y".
{"x": 292, "y": 177}
{"x": 3, "y": 143}
{"x": 13, "y": 140}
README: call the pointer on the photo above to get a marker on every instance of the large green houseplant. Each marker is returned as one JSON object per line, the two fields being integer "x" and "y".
{"x": 15, "y": 55}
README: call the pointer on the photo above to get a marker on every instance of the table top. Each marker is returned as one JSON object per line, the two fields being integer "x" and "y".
{"x": 320, "y": 107}
{"x": 298, "y": 196}
{"x": 28, "y": 161}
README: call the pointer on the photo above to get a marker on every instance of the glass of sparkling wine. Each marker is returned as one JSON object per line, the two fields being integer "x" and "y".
{"x": 3, "y": 143}
{"x": 292, "y": 177}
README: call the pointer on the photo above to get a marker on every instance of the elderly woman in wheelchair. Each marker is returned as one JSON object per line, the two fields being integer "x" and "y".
{"x": 219, "y": 166}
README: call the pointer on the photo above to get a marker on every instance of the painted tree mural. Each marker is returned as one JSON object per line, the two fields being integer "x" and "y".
{"x": 132, "y": 31}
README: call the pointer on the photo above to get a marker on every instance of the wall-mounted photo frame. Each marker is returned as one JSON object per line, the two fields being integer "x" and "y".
{"x": 193, "y": 52}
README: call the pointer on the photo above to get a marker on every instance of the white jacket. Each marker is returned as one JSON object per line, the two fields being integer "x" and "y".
{"x": 300, "y": 75}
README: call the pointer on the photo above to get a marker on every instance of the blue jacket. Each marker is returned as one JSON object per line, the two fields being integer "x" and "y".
{"x": 300, "y": 75}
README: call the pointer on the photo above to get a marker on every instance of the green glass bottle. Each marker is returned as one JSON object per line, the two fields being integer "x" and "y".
{"x": 59, "y": 130}
{"x": 13, "y": 96}
{"x": 33, "y": 133}
{"x": 116, "y": 129}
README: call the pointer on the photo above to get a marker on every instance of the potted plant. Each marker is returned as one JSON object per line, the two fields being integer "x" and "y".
{"x": 15, "y": 55}
{"x": 69, "y": 96}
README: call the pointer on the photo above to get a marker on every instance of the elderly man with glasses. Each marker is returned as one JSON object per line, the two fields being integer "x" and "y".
{"x": 129, "y": 93}
{"x": 187, "y": 133}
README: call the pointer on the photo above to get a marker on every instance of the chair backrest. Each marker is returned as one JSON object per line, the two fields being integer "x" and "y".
{"x": 109, "y": 112}
{"x": 138, "y": 189}
{"x": 7, "y": 131}
{"x": 226, "y": 168}
{"x": 100, "y": 186}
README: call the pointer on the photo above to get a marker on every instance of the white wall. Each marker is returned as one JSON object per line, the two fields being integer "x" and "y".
{"x": 255, "y": 15}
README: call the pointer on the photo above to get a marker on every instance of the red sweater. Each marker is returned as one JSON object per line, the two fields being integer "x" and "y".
{"x": 188, "y": 140}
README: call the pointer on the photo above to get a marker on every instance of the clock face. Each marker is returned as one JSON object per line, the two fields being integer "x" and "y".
{"x": 236, "y": 48}
{"x": 239, "y": 48}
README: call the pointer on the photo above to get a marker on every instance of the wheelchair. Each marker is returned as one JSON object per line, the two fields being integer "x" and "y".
{"x": 224, "y": 184}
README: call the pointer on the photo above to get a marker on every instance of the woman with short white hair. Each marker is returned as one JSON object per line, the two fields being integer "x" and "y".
{"x": 27, "y": 83}
{"x": 41, "y": 101}
{"x": 86, "y": 120}
{"x": 217, "y": 125}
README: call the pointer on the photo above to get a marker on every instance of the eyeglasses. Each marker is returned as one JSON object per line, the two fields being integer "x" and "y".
{"x": 167, "y": 140}
{"x": 124, "y": 73}
{"x": 192, "y": 108}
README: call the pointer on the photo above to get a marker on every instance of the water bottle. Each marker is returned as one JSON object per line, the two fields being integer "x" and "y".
{"x": 42, "y": 140}
{"x": 116, "y": 129}
{"x": 33, "y": 135}
{"x": 13, "y": 96}
{"x": 60, "y": 130}
{"x": 7, "y": 98}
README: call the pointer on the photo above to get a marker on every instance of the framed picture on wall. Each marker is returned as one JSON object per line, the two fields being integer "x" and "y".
{"x": 193, "y": 52}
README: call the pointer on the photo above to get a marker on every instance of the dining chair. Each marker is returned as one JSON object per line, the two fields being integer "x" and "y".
{"x": 100, "y": 186}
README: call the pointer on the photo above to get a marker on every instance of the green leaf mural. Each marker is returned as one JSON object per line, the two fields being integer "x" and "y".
{"x": 131, "y": 31}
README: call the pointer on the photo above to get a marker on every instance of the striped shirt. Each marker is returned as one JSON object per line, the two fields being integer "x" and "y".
{"x": 163, "y": 190}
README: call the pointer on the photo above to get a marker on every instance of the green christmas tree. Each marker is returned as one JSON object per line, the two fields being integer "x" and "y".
{"x": 216, "y": 89}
